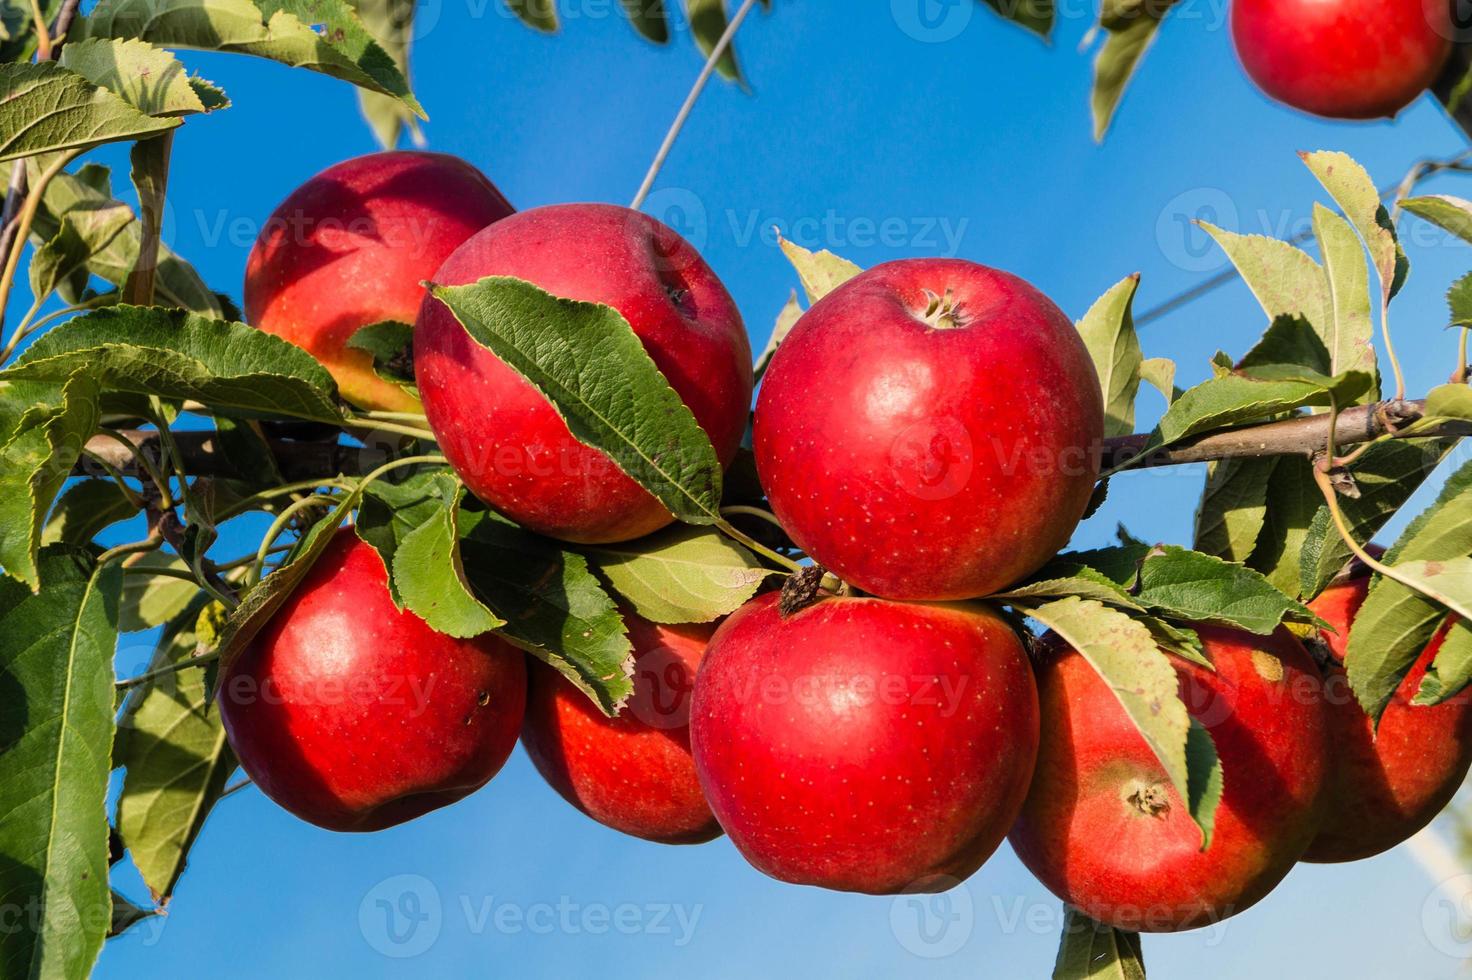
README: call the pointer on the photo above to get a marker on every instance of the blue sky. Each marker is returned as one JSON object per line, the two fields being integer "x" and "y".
{"x": 855, "y": 135}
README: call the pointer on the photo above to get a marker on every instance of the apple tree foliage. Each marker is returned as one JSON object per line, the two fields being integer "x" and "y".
{"x": 217, "y": 421}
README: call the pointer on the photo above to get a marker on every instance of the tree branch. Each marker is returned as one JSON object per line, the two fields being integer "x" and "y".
{"x": 202, "y": 456}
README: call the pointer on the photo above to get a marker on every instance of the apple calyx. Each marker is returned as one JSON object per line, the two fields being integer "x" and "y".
{"x": 943, "y": 312}
{"x": 1151, "y": 800}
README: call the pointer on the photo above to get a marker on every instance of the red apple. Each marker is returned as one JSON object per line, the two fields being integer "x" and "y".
{"x": 507, "y": 442}
{"x": 634, "y": 772}
{"x": 1105, "y": 830}
{"x": 1346, "y": 59}
{"x": 930, "y": 430}
{"x": 356, "y": 716}
{"x": 1385, "y": 786}
{"x": 351, "y": 246}
{"x": 865, "y": 745}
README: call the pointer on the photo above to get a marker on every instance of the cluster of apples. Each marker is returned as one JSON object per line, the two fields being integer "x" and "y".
{"x": 929, "y": 432}
{"x": 1344, "y": 59}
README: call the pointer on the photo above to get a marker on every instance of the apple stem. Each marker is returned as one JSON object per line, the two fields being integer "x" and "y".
{"x": 173, "y": 668}
{"x": 725, "y": 527}
{"x": 716, "y": 54}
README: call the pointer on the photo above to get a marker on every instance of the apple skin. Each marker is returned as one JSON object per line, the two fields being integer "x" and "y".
{"x": 351, "y": 246}
{"x": 865, "y": 745}
{"x": 918, "y": 462}
{"x": 1384, "y": 787}
{"x": 1105, "y": 831}
{"x": 356, "y": 716}
{"x": 1344, "y": 59}
{"x": 633, "y": 773}
{"x": 505, "y": 439}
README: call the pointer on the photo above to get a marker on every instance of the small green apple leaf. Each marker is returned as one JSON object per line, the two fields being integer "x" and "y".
{"x": 1291, "y": 345}
{"x": 1035, "y": 15}
{"x": 1063, "y": 580}
{"x": 1285, "y": 279}
{"x": 1449, "y": 402}
{"x": 1459, "y": 301}
{"x": 1119, "y": 564}
{"x": 280, "y": 30}
{"x": 680, "y": 575}
{"x": 1234, "y": 507}
{"x": 1125, "y": 655}
{"x": 148, "y": 78}
{"x": 1204, "y": 773}
{"x": 1395, "y": 623}
{"x": 84, "y": 510}
{"x": 391, "y": 345}
{"x": 35, "y": 465}
{"x": 85, "y": 231}
{"x": 541, "y": 14}
{"x": 819, "y": 272}
{"x": 173, "y": 746}
{"x": 1180, "y": 640}
{"x": 1090, "y": 950}
{"x": 585, "y": 358}
{"x": 1202, "y": 589}
{"x": 175, "y": 281}
{"x": 229, "y": 367}
{"x": 1108, "y": 330}
{"x": 391, "y": 22}
{"x": 1130, "y": 28}
{"x": 1293, "y": 500}
{"x": 1348, "y": 333}
{"x": 391, "y": 511}
{"x": 152, "y": 600}
{"x": 649, "y": 19}
{"x": 45, "y": 108}
{"x": 427, "y": 568}
{"x": 1356, "y": 194}
{"x": 707, "y": 19}
{"x": 1387, "y": 475}
{"x": 786, "y": 320}
{"x": 1450, "y": 214}
{"x": 1451, "y": 670}
{"x": 1160, "y": 373}
{"x": 554, "y": 606}
{"x": 57, "y": 667}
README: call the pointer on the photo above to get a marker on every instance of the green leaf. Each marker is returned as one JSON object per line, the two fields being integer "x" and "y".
{"x": 1356, "y": 194}
{"x": 390, "y": 343}
{"x": 1286, "y": 280}
{"x": 1090, "y": 950}
{"x": 1062, "y": 580}
{"x": 1290, "y": 343}
{"x": 85, "y": 231}
{"x": 44, "y": 108}
{"x": 126, "y": 915}
{"x": 1108, "y": 330}
{"x": 1035, "y": 15}
{"x": 1119, "y": 564}
{"x": 152, "y": 600}
{"x": 1160, "y": 372}
{"x": 391, "y": 22}
{"x": 649, "y": 19}
{"x": 1459, "y": 300}
{"x": 1201, "y": 589}
{"x": 390, "y": 512}
{"x": 680, "y": 575}
{"x": 148, "y": 78}
{"x": 1395, "y": 623}
{"x": 1180, "y": 640}
{"x": 1387, "y": 475}
{"x": 1293, "y": 500}
{"x": 1267, "y": 391}
{"x": 819, "y": 272}
{"x": 707, "y": 19}
{"x": 428, "y": 573}
{"x": 1449, "y": 402}
{"x": 1130, "y": 30}
{"x": 1450, "y": 214}
{"x": 541, "y": 14}
{"x": 56, "y": 724}
{"x": 34, "y": 467}
{"x": 279, "y": 30}
{"x": 554, "y": 606}
{"x": 786, "y": 320}
{"x": 1234, "y": 507}
{"x": 1125, "y": 655}
{"x": 230, "y": 367}
{"x": 1348, "y": 333}
{"x": 84, "y": 510}
{"x": 586, "y": 360}
{"x": 177, "y": 759}
{"x": 1451, "y": 670}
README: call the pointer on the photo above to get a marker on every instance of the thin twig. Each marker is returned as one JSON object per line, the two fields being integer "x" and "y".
{"x": 700, "y": 82}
